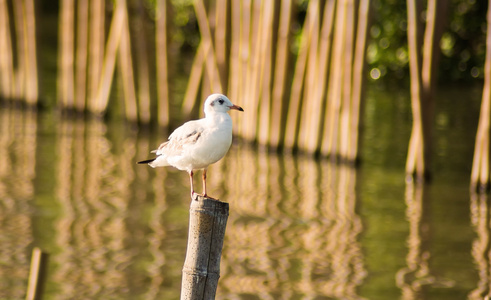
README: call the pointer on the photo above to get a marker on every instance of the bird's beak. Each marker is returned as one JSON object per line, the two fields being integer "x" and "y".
{"x": 236, "y": 107}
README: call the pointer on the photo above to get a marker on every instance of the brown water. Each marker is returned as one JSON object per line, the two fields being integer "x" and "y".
{"x": 299, "y": 228}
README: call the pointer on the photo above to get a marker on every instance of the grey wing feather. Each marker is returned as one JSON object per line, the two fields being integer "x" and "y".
{"x": 187, "y": 134}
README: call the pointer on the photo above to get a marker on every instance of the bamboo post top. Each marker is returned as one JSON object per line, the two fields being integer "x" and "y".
{"x": 207, "y": 223}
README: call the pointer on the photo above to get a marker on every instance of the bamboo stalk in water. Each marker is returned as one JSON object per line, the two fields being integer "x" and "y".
{"x": 191, "y": 96}
{"x": 329, "y": 144}
{"x": 31, "y": 92}
{"x": 96, "y": 52}
{"x": 344, "y": 130}
{"x": 265, "y": 77}
{"x": 113, "y": 42}
{"x": 279, "y": 82}
{"x": 318, "y": 94}
{"x": 20, "y": 70}
{"x": 126, "y": 64}
{"x": 295, "y": 104}
{"x": 358, "y": 67}
{"x": 480, "y": 176}
{"x": 81, "y": 55}
{"x": 415, "y": 164}
{"x": 65, "y": 81}
{"x": 142, "y": 66}
{"x": 6, "y": 58}
{"x": 308, "y": 133}
{"x": 162, "y": 66}
{"x": 211, "y": 63}
{"x": 221, "y": 17}
{"x": 234, "y": 60}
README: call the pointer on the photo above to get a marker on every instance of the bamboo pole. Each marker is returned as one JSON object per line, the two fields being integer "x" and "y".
{"x": 142, "y": 66}
{"x": 307, "y": 138}
{"x": 65, "y": 80}
{"x": 480, "y": 176}
{"x": 191, "y": 95}
{"x": 31, "y": 87}
{"x": 415, "y": 164}
{"x": 207, "y": 224}
{"x": 329, "y": 144}
{"x": 295, "y": 104}
{"x": 6, "y": 58}
{"x": 358, "y": 67}
{"x": 96, "y": 52}
{"x": 234, "y": 60}
{"x": 265, "y": 78}
{"x": 280, "y": 72}
{"x": 221, "y": 21}
{"x": 210, "y": 58}
{"x": 319, "y": 90}
{"x": 108, "y": 65}
{"x": 81, "y": 55}
{"x": 344, "y": 130}
{"x": 20, "y": 70}
{"x": 161, "y": 57}
{"x": 36, "y": 274}
{"x": 126, "y": 63}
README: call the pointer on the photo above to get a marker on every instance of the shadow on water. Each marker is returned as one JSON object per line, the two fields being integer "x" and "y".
{"x": 299, "y": 228}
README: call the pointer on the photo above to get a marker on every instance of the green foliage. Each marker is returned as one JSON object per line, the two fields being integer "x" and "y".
{"x": 463, "y": 43}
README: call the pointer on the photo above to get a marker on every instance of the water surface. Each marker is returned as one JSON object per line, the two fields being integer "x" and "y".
{"x": 299, "y": 227}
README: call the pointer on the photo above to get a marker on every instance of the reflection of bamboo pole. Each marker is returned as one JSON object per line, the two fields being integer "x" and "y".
{"x": 161, "y": 58}
{"x": 65, "y": 58}
{"x": 6, "y": 58}
{"x": 480, "y": 166}
{"x": 81, "y": 55}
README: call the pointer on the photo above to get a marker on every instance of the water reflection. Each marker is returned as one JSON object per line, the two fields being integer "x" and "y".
{"x": 115, "y": 229}
{"x": 17, "y": 172}
{"x": 293, "y": 230}
{"x": 480, "y": 217}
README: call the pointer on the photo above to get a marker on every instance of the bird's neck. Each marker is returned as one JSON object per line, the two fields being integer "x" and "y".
{"x": 218, "y": 117}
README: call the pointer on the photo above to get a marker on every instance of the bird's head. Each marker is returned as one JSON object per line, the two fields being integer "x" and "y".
{"x": 219, "y": 103}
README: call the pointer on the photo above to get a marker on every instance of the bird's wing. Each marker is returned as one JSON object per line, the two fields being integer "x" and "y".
{"x": 185, "y": 135}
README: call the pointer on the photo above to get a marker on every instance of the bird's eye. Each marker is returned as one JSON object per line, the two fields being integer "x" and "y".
{"x": 221, "y": 101}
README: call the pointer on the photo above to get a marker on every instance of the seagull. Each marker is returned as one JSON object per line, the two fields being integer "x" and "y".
{"x": 199, "y": 143}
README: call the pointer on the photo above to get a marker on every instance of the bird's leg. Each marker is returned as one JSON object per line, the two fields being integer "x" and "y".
{"x": 204, "y": 183}
{"x": 191, "y": 180}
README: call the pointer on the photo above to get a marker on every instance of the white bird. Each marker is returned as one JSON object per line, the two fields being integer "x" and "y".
{"x": 197, "y": 144}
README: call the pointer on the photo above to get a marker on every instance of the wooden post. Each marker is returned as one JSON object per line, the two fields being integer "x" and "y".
{"x": 36, "y": 274}
{"x": 207, "y": 223}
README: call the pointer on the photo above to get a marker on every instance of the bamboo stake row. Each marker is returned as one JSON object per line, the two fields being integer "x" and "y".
{"x": 19, "y": 80}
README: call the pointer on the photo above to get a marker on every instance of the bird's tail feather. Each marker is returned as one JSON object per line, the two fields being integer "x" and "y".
{"x": 146, "y": 161}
